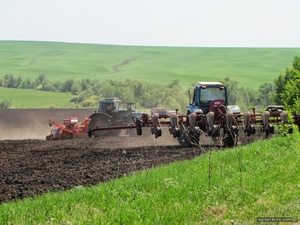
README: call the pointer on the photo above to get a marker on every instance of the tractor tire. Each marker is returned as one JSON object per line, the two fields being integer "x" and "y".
{"x": 139, "y": 130}
{"x": 195, "y": 138}
{"x": 228, "y": 141}
{"x": 90, "y": 132}
{"x": 100, "y": 120}
{"x": 230, "y": 137}
{"x": 183, "y": 138}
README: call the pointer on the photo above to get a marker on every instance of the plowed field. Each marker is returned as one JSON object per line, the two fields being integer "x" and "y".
{"x": 30, "y": 165}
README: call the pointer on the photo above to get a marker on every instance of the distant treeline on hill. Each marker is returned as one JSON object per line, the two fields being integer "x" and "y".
{"x": 284, "y": 90}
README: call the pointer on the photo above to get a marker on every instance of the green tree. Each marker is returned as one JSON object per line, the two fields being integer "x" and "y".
{"x": 247, "y": 98}
{"x": 86, "y": 84}
{"x": 11, "y": 82}
{"x": 2, "y": 82}
{"x": 5, "y": 104}
{"x": 96, "y": 86}
{"x": 57, "y": 85}
{"x": 291, "y": 93}
{"x": 66, "y": 87}
{"x": 91, "y": 101}
{"x": 27, "y": 84}
{"x": 85, "y": 95}
{"x": 174, "y": 97}
{"x": 232, "y": 90}
{"x": 75, "y": 88}
{"x": 287, "y": 86}
{"x": 41, "y": 79}
{"x": 266, "y": 94}
{"x": 48, "y": 86}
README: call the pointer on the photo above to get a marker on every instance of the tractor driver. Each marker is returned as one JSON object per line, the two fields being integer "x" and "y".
{"x": 110, "y": 106}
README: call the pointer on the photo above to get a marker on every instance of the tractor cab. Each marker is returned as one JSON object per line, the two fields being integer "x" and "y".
{"x": 116, "y": 107}
{"x": 109, "y": 104}
{"x": 206, "y": 94}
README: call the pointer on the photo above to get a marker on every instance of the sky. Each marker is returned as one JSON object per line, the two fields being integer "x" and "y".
{"x": 194, "y": 23}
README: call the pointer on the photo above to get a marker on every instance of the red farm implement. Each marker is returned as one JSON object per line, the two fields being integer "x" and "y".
{"x": 208, "y": 114}
{"x": 70, "y": 128}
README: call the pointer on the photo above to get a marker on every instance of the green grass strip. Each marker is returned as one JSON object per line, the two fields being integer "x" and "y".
{"x": 24, "y": 99}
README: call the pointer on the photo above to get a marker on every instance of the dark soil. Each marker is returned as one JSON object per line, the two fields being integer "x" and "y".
{"x": 31, "y": 167}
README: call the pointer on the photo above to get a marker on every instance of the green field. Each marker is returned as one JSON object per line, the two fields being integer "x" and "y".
{"x": 22, "y": 99}
{"x": 62, "y": 61}
{"x": 235, "y": 186}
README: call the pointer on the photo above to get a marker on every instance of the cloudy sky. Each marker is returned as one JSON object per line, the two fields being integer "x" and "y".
{"x": 211, "y": 23}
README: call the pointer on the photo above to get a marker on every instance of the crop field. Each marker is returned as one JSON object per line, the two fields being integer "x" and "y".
{"x": 61, "y": 61}
{"x": 251, "y": 67}
{"x": 23, "y": 99}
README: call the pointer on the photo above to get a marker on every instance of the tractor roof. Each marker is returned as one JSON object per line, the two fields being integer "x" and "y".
{"x": 211, "y": 83}
{"x": 109, "y": 100}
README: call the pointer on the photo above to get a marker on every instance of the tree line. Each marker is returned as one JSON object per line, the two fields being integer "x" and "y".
{"x": 285, "y": 90}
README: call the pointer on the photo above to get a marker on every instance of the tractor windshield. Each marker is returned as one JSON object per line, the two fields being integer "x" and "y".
{"x": 212, "y": 93}
{"x": 123, "y": 106}
{"x": 108, "y": 106}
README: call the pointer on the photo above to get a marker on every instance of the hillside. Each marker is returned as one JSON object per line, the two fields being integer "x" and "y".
{"x": 62, "y": 61}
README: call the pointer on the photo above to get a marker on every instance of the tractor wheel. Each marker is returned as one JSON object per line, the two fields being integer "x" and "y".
{"x": 99, "y": 120}
{"x": 139, "y": 130}
{"x": 183, "y": 138}
{"x": 195, "y": 137}
{"x": 228, "y": 141}
{"x": 90, "y": 132}
{"x": 216, "y": 140}
{"x": 230, "y": 137}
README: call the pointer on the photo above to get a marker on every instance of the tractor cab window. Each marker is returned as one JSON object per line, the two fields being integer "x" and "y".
{"x": 110, "y": 106}
{"x": 123, "y": 106}
{"x": 211, "y": 93}
{"x": 131, "y": 106}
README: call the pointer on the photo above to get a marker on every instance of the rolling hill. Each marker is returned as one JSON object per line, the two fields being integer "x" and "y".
{"x": 62, "y": 61}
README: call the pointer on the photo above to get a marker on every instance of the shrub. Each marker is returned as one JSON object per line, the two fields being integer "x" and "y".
{"x": 5, "y": 104}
